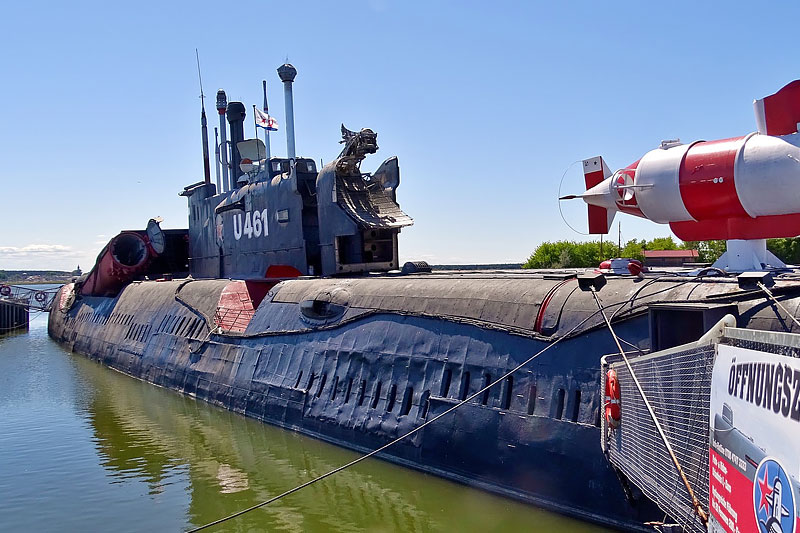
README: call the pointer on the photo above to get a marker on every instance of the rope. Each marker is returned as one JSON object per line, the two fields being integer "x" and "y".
{"x": 698, "y": 509}
{"x": 402, "y": 437}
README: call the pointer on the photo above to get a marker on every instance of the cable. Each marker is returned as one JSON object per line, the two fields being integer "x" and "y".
{"x": 402, "y": 437}
{"x": 778, "y": 303}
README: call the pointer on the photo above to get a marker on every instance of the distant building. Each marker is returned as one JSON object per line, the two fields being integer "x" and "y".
{"x": 77, "y": 271}
{"x": 672, "y": 258}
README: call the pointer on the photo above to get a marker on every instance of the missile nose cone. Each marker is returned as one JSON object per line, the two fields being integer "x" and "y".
{"x": 601, "y": 195}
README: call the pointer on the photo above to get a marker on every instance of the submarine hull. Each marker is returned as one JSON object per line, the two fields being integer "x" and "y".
{"x": 363, "y": 371}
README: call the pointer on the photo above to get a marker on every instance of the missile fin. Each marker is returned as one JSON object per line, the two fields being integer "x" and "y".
{"x": 779, "y": 113}
{"x": 594, "y": 172}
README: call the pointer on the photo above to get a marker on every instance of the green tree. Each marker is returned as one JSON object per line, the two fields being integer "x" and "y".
{"x": 662, "y": 243}
{"x": 548, "y": 255}
{"x": 787, "y": 250}
{"x": 571, "y": 254}
{"x": 634, "y": 249}
{"x": 708, "y": 251}
{"x": 567, "y": 254}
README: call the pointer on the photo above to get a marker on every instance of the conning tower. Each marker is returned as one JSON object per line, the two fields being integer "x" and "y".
{"x": 281, "y": 218}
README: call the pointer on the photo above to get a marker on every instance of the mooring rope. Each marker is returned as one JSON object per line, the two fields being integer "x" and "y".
{"x": 777, "y": 302}
{"x": 406, "y": 435}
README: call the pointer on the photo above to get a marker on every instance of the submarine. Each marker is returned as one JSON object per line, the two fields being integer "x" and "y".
{"x": 285, "y": 301}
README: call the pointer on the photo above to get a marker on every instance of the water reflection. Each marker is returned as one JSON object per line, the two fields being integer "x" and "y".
{"x": 85, "y": 447}
{"x": 232, "y": 462}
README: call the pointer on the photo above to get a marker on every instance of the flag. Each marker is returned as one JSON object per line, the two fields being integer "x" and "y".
{"x": 265, "y": 121}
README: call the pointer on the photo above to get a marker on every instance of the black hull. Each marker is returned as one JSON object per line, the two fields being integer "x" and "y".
{"x": 377, "y": 375}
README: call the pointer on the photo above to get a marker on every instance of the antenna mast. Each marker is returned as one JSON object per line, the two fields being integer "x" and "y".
{"x": 203, "y": 124}
{"x": 216, "y": 153}
{"x": 266, "y": 130}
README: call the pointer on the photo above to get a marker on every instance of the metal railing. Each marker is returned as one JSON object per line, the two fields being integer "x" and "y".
{"x": 31, "y": 298}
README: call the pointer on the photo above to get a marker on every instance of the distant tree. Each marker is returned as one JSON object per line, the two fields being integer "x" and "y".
{"x": 571, "y": 254}
{"x": 547, "y": 255}
{"x": 3, "y": 275}
{"x": 634, "y": 249}
{"x": 566, "y": 254}
{"x": 564, "y": 259}
{"x": 787, "y": 250}
{"x": 708, "y": 251}
{"x": 662, "y": 243}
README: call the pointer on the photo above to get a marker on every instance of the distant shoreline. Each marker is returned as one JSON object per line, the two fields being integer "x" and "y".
{"x": 36, "y": 277}
{"x": 47, "y": 282}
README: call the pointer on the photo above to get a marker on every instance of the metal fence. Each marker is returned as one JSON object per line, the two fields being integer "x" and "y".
{"x": 677, "y": 384}
{"x": 787, "y": 344}
{"x": 31, "y": 298}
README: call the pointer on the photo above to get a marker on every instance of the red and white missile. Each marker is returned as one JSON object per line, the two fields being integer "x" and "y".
{"x": 743, "y": 188}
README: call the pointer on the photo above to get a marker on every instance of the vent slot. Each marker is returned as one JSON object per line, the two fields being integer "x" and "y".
{"x": 559, "y": 404}
{"x": 407, "y": 397}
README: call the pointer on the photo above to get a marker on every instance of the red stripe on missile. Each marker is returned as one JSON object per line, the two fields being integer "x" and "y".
{"x": 767, "y": 227}
{"x": 707, "y": 180}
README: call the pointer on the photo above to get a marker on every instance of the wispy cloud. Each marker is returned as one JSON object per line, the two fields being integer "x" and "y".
{"x": 38, "y": 250}
{"x": 42, "y": 257}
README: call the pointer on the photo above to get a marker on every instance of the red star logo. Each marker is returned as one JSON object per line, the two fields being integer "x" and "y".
{"x": 765, "y": 491}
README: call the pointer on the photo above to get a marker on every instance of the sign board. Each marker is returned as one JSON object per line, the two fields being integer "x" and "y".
{"x": 754, "y": 456}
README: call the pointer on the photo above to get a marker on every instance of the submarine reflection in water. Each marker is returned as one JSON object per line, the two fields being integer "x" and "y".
{"x": 229, "y": 462}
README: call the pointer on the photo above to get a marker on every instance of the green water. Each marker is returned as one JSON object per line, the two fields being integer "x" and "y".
{"x": 84, "y": 448}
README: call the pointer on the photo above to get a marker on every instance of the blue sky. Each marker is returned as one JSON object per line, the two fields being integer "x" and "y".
{"x": 486, "y": 104}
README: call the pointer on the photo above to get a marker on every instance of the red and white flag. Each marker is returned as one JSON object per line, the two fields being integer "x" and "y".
{"x": 265, "y": 121}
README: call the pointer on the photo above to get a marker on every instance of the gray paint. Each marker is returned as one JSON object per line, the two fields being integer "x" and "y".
{"x": 337, "y": 221}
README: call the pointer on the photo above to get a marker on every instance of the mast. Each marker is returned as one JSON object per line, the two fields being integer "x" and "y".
{"x": 287, "y": 73}
{"x": 203, "y": 125}
{"x": 266, "y": 130}
{"x": 222, "y": 106}
{"x": 216, "y": 154}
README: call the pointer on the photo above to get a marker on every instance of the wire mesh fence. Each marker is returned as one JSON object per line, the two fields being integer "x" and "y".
{"x": 677, "y": 384}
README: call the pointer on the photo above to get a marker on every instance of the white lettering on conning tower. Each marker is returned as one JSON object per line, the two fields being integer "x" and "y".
{"x": 252, "y": 224}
